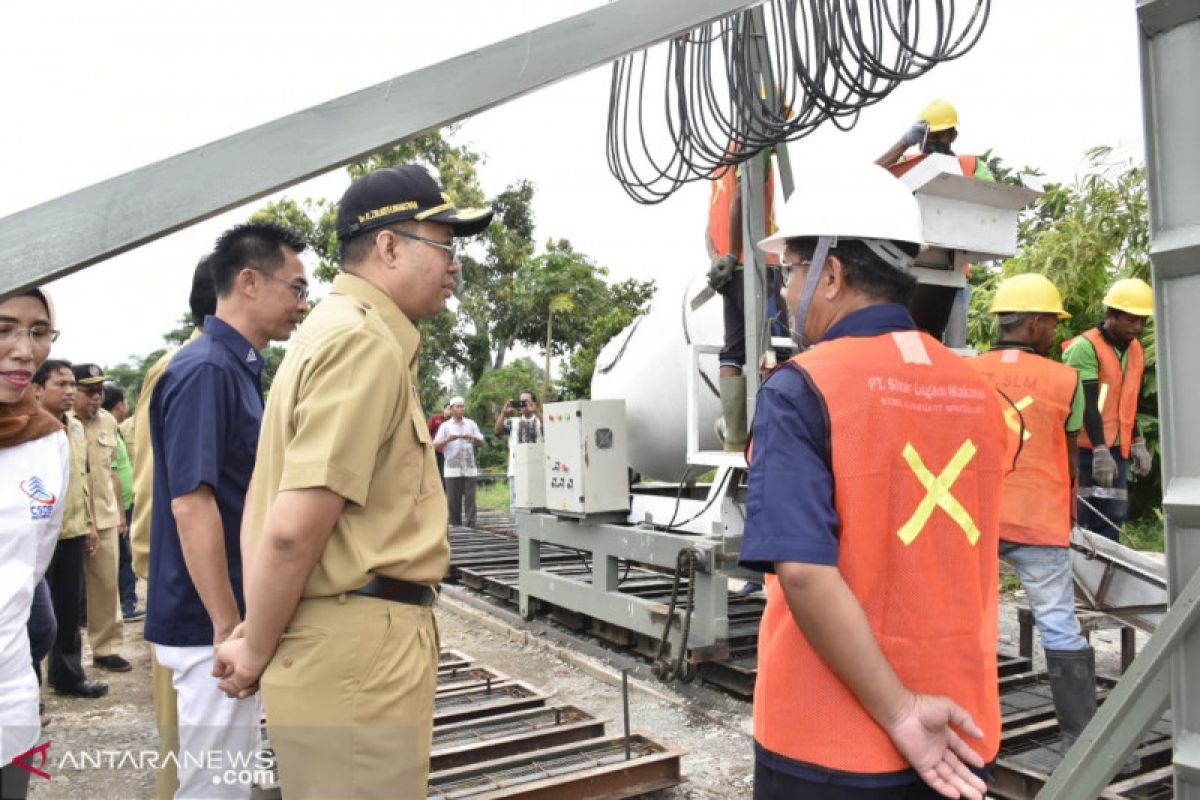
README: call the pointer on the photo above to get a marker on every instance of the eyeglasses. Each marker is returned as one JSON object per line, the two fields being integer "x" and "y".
{"x": 786, "y": 267}
{"x": 301, "y": 289}
{"x": 39, "y": 335}
{"x": 448, "y": 248}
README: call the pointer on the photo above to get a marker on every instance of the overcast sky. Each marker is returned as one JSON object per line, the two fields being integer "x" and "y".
{"x": 92, "y": 90}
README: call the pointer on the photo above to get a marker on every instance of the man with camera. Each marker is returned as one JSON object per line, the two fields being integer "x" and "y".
{"x": 523, "y": 429}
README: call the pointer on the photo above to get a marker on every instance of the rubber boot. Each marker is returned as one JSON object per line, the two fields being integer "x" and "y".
{"x": 733, "y": 409}
{"x": 1073, "y": 686}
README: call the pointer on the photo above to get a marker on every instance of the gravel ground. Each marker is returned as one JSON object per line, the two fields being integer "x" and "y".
{"x": 715, "y": 729}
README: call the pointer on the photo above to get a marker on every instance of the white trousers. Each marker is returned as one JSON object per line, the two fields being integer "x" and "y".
{"x": 218, "y": 737}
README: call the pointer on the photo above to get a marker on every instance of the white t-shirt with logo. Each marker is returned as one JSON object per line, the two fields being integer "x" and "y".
{"x": 33, "y": 495}
{"x": 460, "y": 453}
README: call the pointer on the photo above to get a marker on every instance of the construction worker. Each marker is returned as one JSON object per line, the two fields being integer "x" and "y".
{"x": 346, "y": 525}
{"x": 876, "y": 462}
{"x": 1046, "y": 413}
{"x": 723, "y": 240}
{"x": 935, "y": 131}
{"x": 1110, "y": 363}
{"x": 202, "y": 302}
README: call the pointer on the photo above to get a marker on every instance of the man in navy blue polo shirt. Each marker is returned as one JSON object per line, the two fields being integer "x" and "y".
{"x": 204, "y": 424}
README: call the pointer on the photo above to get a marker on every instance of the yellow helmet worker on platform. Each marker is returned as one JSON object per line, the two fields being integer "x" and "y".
{"x": 939, "y": 115}
{"x": 935, "y": 131}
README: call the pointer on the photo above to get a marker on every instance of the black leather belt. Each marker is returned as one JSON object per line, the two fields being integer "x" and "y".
{"x": 413, "y": 594}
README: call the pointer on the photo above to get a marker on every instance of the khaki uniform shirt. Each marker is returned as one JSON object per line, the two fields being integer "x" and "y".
{"x": 102, "y": 436}
{"x": 141, "y": 452}
{"x": 77, "y": 516}
{"x": 126, "y": 429}
{"x": 344, "y": 414}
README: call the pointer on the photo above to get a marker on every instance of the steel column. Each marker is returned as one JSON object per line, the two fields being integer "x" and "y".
{"x": 1170, "y": 58}
{"x": 84, "y": 227}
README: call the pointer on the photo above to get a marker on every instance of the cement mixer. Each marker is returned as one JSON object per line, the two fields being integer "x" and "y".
{"x": 647, "y": 366}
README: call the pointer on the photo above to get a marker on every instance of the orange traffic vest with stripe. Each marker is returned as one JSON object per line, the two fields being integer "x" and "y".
{"x": 917, "y": 446}
{"x": 724, "y": 188}
{"x": 966, "y": 163}
{"x": 1036, "y": 505}
{"x": 1119, "y": 389}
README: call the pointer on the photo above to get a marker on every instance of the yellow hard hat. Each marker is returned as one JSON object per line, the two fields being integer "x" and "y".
{"x": 1131, "y": 295}
{"x": 940, "y": 115}
{"x": 1029, "y": 293}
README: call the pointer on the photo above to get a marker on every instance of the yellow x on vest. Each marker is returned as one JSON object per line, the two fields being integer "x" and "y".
{"x": 938, "y": 493}
{"x": 1010, "y": 416}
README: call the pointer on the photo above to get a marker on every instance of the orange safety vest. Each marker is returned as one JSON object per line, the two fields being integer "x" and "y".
{"x": 1036, "y": 505}
{"x": 968, "y": 165}
{"x": 1119, "y": 389}
{"x": 917, "y": 446}
{"x": 721, "y": 195}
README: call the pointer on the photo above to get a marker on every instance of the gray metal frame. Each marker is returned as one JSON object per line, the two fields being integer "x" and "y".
{"x": 606, "y": 544}
{"x": 87, "y": 226}
{"x": 1168, "y": 668}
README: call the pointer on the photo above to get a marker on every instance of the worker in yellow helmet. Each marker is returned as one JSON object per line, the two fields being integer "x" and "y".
{"x": 1110, "y": 363}
{"x": 935, "y": 131}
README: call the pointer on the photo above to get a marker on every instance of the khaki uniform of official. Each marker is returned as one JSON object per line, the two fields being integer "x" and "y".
{"x": 77, "y": 516}
{"x": 141, "y": 453}
{"x": 349, "y": 693}
{"x": 106, "y": 631}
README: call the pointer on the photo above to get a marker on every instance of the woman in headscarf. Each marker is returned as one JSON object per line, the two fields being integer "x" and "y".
{"x": 34, "y": 470}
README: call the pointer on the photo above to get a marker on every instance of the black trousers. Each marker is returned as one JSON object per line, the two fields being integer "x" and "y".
{"x": 126, "y": 580}
{"x": 65, "y": 577}
{"x": 14, "y": 782}
{"x": 772, "y": 785}
{"x": 42, "y": 626}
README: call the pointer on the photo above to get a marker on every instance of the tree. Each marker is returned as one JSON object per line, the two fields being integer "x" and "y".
{"x": 488, "y": 395}
{"x": 627, "y": 301}
{"x": 1083, "y": 236}
{"x": 508, "y": 288}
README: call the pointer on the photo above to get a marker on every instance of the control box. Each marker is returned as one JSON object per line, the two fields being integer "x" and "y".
{"x": 587, "y": 463}
{"x": 529, "y": 475}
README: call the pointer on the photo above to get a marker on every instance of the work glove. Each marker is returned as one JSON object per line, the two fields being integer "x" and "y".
{"x": 721, "y": 272}
{"x": 1139, "y": 454}
{"x": 1104, "y": 468}
{"x": 916, "y": 134}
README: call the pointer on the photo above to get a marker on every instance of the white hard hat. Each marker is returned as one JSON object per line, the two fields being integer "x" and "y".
{"x": 855, "y": 200}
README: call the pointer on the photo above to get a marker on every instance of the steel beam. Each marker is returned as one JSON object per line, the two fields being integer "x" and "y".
{"x": 1132, "y": 707}
{"x": 601, "y": 599}
{"x": 63, "y": 235}
{"x": 1170, "y": 59}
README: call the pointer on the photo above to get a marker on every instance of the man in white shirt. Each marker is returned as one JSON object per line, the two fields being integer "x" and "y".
{"x": 459, "y": 437}
{"x": 524, "y": 429}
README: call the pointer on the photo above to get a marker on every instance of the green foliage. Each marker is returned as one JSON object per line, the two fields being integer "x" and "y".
{"x": 1146, "y": 532}
{"x": 130, "y": 373}
{"x": 488, "y": 396}
{"x": 492, "y": 495}
{"x": 1083, "y": 236}
{"x": 628, "y": 300}
{"x": 508, "y": 290}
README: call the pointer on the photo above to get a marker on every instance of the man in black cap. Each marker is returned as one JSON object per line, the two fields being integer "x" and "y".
{"x": 347, "y": 520}
{"x": 106, "y": 630}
